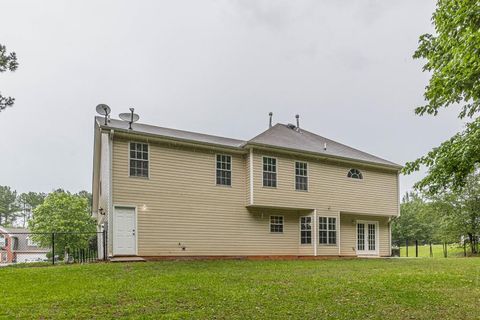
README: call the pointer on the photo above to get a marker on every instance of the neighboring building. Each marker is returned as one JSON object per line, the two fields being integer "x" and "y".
{"x": 287, "y": 192}
{"x": 16, "y": 246}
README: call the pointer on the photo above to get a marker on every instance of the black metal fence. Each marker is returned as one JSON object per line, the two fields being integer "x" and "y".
{"x": 422, "y": 248}
{"x": 54, "y": 247}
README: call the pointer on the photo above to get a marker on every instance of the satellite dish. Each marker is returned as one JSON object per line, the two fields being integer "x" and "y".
{"x": 130, "y": 117}
{"x": 103, "y": 110}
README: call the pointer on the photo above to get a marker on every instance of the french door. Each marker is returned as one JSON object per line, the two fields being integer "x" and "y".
{"x": 367, "y": 238}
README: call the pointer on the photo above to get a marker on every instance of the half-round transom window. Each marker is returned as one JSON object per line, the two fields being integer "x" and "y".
{"x": 355, "y": 174}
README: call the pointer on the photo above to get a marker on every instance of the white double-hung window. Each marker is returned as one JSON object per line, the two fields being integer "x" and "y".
{"x": 138, "y": 159}
{"x": 327, "y": 230}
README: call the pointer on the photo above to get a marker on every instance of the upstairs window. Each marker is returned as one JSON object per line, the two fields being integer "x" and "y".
{"x": 269, "y": 172}
{"x": 305, "y": 230}
{"x": 224, "y": 170}
{"x": 301, "y": 176}
{"x": 327, "y": 230}
{"x": 355, "y": 174}
{"x": 138, "y": 159}
{"x": 276, "y": 224}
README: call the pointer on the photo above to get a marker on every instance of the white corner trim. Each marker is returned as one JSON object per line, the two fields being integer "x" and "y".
{"x": 398, "y": 193}
{"x": 251, "y": 176}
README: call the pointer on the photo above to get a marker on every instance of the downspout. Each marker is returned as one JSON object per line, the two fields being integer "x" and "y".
{"x": 251, "y": 175}
{"x": 315, "y": 232}
{"x": 110, "y": 191}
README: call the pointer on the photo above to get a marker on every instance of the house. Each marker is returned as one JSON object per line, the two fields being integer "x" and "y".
{"x": 163, "y": 192}
{"x": 17, "y": 246}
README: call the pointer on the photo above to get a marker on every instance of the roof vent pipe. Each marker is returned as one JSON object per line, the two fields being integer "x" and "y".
{"x": 325, "y": 146}
{"x": 271, "y": 115}
{"x": 298, "y": 122}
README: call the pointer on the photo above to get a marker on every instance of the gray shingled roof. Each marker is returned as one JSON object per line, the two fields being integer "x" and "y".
{"x": 280, "y": 136}
{"x": 173, "y": 133}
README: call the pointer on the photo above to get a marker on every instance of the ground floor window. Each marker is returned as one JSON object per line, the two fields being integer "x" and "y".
{"x": 327, "y": 230}
{"x": 305, "y": 230}
{"x": 276, "y": 224}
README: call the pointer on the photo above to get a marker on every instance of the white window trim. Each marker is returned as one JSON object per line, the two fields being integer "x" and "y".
{"x": 276, "y": 172}
{"x": 300, "y": 233}
{"x": 129, "y": 158}
{"x": 295, "y": 176}
{"x": 377, "y": 242}
{"x": 328, "y": 244}
{"x": 270, "y": 223}
{"x": 231, "y": 170}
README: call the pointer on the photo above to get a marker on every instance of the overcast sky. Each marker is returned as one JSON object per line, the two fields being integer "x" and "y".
{"x": 216, "y": 67}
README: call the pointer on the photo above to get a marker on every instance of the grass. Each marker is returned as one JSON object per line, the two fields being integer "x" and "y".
{"x": 322, "y": 289}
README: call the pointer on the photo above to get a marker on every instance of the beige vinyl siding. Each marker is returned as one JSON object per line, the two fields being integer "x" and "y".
{"x": 349, "y": 234}
{"x": 329, "y": 187}
{"x": 180, "y": 205}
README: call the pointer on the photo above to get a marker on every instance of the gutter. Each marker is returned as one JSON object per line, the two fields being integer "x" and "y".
{"x": 395, "y": 167}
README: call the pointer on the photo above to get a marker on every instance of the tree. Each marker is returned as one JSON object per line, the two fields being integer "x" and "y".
{"x": 452, "y": 56}
{"x": 460, "y": 212}
{"x": 87, "y": 195}
{"x": 8, "y": 205}
{"x": 66, "y": 214}
{"x": 8, "y": 62}
{"x": 416, "y": 221}
{"x": 28, "y": 202}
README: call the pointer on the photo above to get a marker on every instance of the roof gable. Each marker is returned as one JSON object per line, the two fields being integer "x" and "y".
{"x": 283, "y": 136}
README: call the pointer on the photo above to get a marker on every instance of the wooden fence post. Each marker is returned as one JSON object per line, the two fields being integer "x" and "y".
{"x": 406, "y": 247}
{"x": 416, "y": 248}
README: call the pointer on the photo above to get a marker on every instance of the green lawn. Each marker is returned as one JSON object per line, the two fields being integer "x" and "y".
{"x": 322, "y": 289}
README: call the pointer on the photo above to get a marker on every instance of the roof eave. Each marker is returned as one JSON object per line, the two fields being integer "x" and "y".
{"x": 188, "y": 142}
{"x": 395, "y": 167}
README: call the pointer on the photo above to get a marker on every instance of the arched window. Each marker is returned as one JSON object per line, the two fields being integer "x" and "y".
{"x": 355, "y": 174}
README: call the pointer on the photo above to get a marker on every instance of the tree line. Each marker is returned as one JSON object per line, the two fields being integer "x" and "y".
{"x": 450, "y": 216}
{"x": 17, "y": 209}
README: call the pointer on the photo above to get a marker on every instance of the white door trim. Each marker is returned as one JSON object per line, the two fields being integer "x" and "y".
{"x": 377, "y": 230}
{"x": 136, "y": 225}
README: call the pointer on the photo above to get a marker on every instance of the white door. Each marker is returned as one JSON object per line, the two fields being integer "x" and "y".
{"x": 124, "y": 233}
{"x": 367, "y": 238}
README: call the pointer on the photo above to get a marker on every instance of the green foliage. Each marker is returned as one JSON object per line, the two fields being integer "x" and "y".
{"x": 87, "y": 195}
{"x": 460, "y": 211}
{"x": 445, "y": 217}
{"x": 451, "y": 163}
{"x": 8, "y": 206}
{"x": 416, "y": 222}
{"x": 63, "y": 212}
{"x": 453, "y": 58}
{"x": 8, "y": 62}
